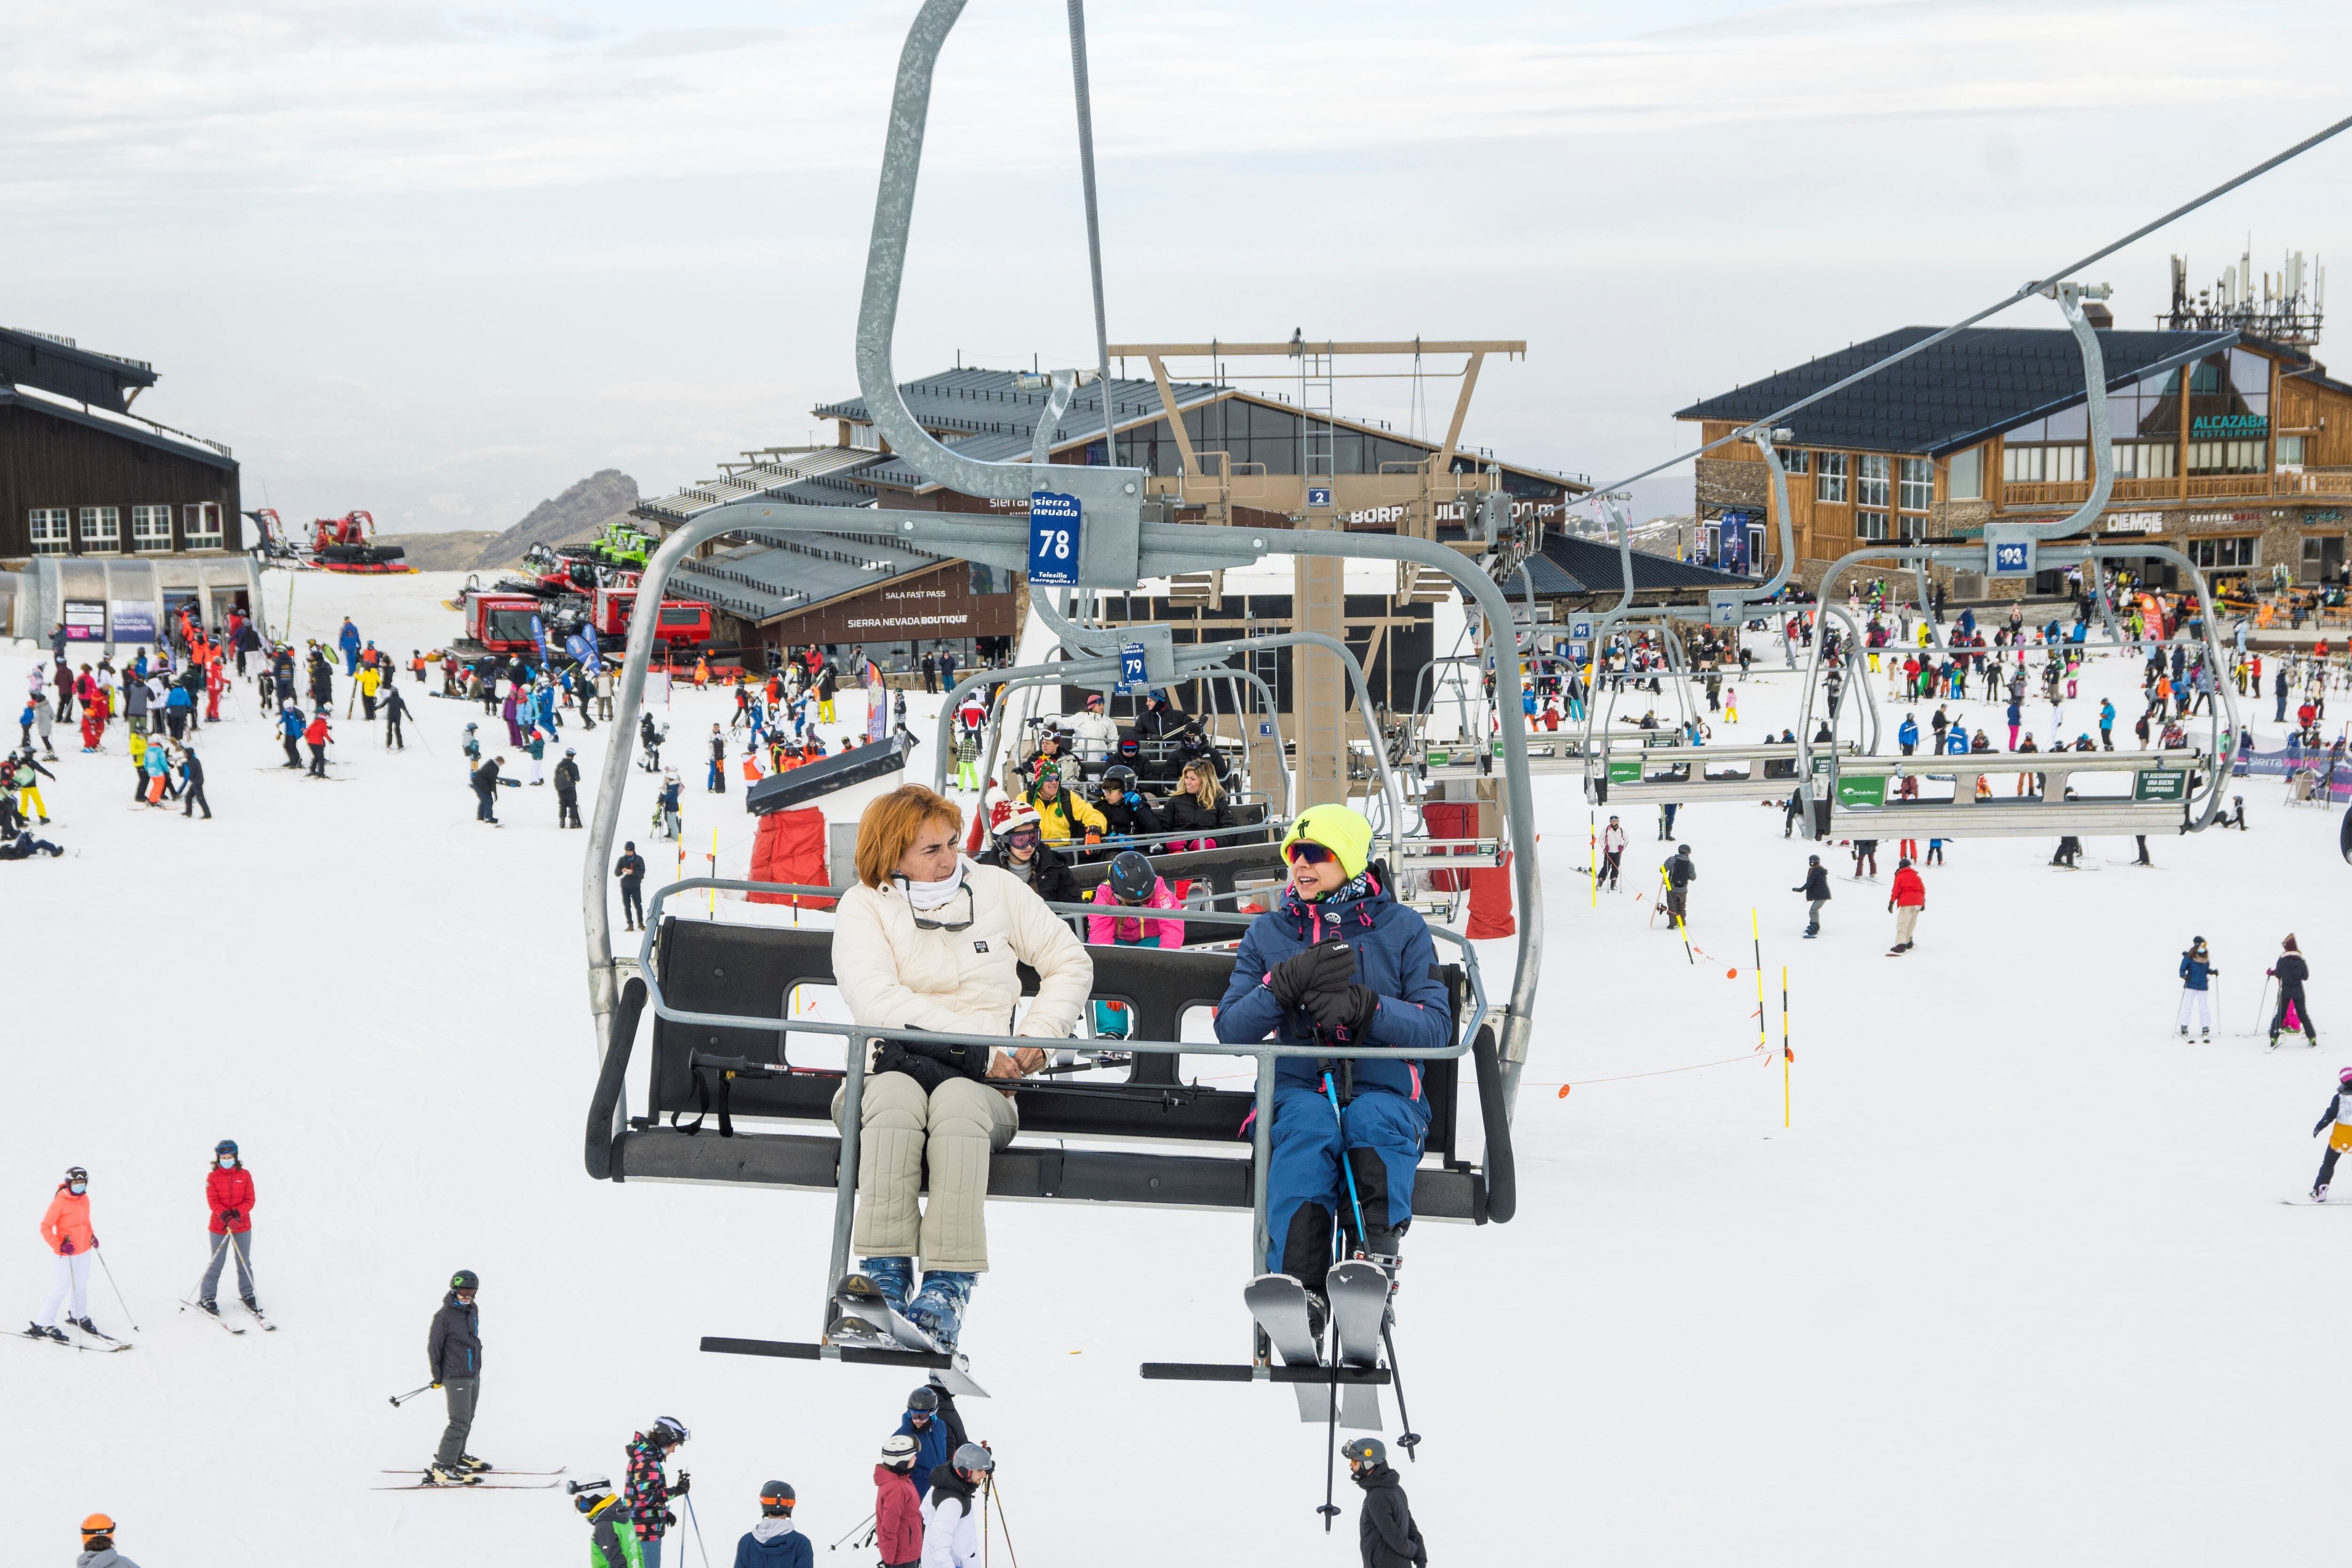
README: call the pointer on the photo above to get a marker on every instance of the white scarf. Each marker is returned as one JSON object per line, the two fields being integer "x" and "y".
{"x": 929, "y": 895}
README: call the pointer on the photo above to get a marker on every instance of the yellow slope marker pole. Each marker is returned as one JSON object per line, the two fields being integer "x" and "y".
{"x": 1787, "y": 1056}
{"x": 713, "y": 862}
{"x": 1763, "y": 1041}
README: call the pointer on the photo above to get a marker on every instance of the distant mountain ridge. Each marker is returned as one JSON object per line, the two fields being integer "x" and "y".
{"x": 579, "y": 513}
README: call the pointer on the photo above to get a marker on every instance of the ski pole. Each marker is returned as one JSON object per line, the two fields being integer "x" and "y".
{"x": 850, "y": 1532}
{"x": 208, "y": 1269}
{"x": 400, "y": 1399}
{"x": 1408, "y": 1440}
{"x": 998, "y": 1498}
{"x": 118, "y": 1292}
{"x": 697, "y": 1522}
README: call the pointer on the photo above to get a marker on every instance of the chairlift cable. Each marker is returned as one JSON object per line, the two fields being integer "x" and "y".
{"x": 2023, "y": 291}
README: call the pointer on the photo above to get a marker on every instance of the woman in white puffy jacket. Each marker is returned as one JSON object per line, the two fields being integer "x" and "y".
{"x": 928, "y": 940}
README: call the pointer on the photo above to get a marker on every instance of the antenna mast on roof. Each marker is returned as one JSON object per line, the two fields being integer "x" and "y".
{"x": 2287, "y": 309}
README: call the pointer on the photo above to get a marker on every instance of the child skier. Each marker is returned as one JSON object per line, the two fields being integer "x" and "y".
{"x": 1338, "y": 961}
{"x": 2339, "y": 1117}
{"x": 2196, "y": 972}
{"x": 774, "y": 1542}
{"x": 647, "y": 1491}
{"x": 2293, "y": 1010}
{"x": 612, "y": 1543}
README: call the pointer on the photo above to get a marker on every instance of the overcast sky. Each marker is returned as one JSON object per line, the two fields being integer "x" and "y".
{"x": 439, "y": 260}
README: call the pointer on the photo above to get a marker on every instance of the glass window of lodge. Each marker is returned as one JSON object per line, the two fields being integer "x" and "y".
{"x": 2045, "y": 464}
{"x": 2290, "y": 451}
{"x": 2147, "y": 460}
{"x": 1829, "y": 478}
{"x": 101, "y": 529}
{"x": 2238, "y": 552}
{"x": 1796, "y": 460}
{"x": 203, "y": 523}
{"x": 1870, "y": 479}
{"x": 2228, "y": 400}
{"x": 52, "y": 530}
{"x": 2227, "y": 456}
{"x": 1917, "y": 483}
{"x": 1965, "y": 475}
{"x": 1869, "y": 525}
{"x": 151, "y": 527}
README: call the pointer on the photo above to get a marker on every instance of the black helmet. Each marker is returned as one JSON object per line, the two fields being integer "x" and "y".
{"x": 1117, "y": 778}
{"x": 667, "y": 1429}
{"x": 1365, "y": 1451}
{"x": 777, "y": 1495}
{"x": 1682, "y": 848}
{"x": 923, "y": 1401}
{"x": 1131, "y": 876}
{"x": 464, "y": 1279}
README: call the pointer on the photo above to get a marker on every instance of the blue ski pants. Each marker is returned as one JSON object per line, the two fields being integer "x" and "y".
{"x": 1306, "y": 1190}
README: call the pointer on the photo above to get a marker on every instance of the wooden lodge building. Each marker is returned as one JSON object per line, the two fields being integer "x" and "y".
{"x": 2234, "y": 449}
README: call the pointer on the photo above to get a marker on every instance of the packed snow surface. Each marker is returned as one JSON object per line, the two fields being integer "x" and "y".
{"x": 2015, "y": 1285}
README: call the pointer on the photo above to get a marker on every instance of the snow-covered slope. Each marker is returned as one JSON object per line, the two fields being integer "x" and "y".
{"x": 2016, "y": 1285}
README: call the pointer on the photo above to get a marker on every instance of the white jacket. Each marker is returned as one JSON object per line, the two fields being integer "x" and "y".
{"x": 951, "y": 1531}
{"x": 1095, "y": 735}
{"x": 894, "y": 975}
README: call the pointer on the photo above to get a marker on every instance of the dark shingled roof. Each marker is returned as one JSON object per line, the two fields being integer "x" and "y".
{"x": 1570, "y": 565}
{"x": 1972, "y": 385}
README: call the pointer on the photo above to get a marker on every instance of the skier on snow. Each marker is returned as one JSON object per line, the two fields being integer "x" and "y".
{"x": 1339, "y": 960}
{"x": 1678, "y": 873}
{"x": 97, "y": 1545}
{"x": 1816, "y": 891}
{"x": 228, "y": 1193}
{"x": 65, "y": 1229}
{"x": 898, "y": 1506}
{"x": 453, "y": 1348}
{"x": 2294, "y": 1008}
{"x": 2339, "y": 1116}
{"x": 648, "y": 1491}
{"x": 1613, "y": 853}
{"x": 2196, "y": 972}
{"x": 1385, "y": 1531}
{"x": 952, "y": 1518}
{"x": 1906, "y": 899}
{"x": 932, "y": 1425}
{"x": 611, "y": 1543}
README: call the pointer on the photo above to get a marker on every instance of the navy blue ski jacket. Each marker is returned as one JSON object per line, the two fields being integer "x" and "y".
{"x": 1394, "y": 956}
{"x": 2195, "y": 971}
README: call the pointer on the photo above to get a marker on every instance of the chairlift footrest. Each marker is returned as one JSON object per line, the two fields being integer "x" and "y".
{"x": 1224, "y": 1371}
{"x": 859, "y": 1355}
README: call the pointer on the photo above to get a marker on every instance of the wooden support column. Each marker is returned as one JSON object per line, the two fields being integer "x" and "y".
{"x": 1322, "y": 707}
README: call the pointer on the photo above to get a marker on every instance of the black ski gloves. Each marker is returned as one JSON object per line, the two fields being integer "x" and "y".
{"x": 1326, "y": 964}
{"x": 1352, "y": 1007}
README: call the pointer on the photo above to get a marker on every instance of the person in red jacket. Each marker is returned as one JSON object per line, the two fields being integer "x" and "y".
{"x": 1907, "y": 899}
{"x": 229, "y": 1192}
{"x": 316, "y": 736}
{"x": 897, "y": 1505}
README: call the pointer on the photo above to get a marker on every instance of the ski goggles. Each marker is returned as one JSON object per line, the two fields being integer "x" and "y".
{"x": 1026, "y": 839}
{"x": 1310, "y": 852}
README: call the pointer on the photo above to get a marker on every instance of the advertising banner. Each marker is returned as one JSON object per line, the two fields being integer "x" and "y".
{"x": 85, "y": 619}
{"x": 134, "y": 620}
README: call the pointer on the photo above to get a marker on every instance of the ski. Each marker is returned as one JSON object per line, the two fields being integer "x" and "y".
{"x": 1359, "y": 1306}
{"x": 866, "y": 1317}
{"x": 2309, "y": 1202}
{"x": 226, "y": 1326}
{"x": 111, "y": 1345}
{"x": 268, "y": 1327}
{"x": 467, "y": 1486}
{"x": 1278, "y": 1302}
{"x": 485, "y": 1470}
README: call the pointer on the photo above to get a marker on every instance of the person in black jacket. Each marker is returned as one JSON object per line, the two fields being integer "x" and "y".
{"x": 631, "y": 869}
{"x": 567, "y": 790}
{"x": 1385, "y": 1531}
{"x": 486, "y": 789}
{"x": 1679, "y": 875}
{"x": 1124, "y": 805}
{"x": 453, "y": 1348}
{"x": 1021, "y": 849}
{"x": 192, "y": 783}
{"x": 395, "y": 708}
{"x": 2291, "y": 972}
{"x": 1816, "y": 890}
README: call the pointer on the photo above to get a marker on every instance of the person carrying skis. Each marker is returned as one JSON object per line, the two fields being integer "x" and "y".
{"x": 647, "y": 1491}
{"x": 2196, "y": 975}
{"x": 98, "y": 1532}
{"x": 453, "y": 1348}
{"x": 1816, "y": 891}
{"x": 951, "y": 1518}
{"x": 2294, "y": 1008}
{"x": 928, "y": 940}
{"x": 1905, "y": 900}
{"x": 2336, "y": 1121}
{"x": 611, "y": 1543}
{"x": 1385, "y": 1531}
{"x": 1613, "y": 853}
{"x": 631, "y": 870}
{"x": 897, "y": 1505}
{"x": 65, "y": 1229}
{"x": 228, "y": 1193}
{"x": 775, "y": 1541}
{"x": 1338, "y": 961}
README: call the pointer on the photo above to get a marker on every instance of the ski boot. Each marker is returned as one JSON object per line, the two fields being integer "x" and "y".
{"x": 440, "y": 1475}
{"x": 937, "y": 1309}
{"x": 895, "y": 1275}
{"x": 252, "y": 1306}
{"x": 2204, "y": 1034}
{"x": 2319, "y": 1193}
{"x": 85, "y": 1325}
{"x": 38, "y": 1331}
{"x": 1318, "y": 1315}
{"x": 212, "y": 1307}
{"x": 471, "y": 1465}
{"x": 2184, "y": 1031}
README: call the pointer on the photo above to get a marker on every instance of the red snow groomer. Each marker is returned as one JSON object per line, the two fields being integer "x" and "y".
{"x": 348, "y": 544}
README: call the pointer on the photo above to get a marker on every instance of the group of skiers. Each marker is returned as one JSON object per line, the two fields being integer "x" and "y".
{"x": 66, "y": 1230}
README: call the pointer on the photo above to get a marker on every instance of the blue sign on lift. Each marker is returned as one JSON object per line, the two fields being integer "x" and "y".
{"x": 1053, "y": 528}
{"x": 1131, "y": 670}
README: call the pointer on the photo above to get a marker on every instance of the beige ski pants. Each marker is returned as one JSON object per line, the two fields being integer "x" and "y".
{"x": 953, "y": 1130}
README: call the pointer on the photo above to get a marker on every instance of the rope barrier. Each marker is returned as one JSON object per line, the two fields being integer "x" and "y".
{"x": 1759, "y": 1052}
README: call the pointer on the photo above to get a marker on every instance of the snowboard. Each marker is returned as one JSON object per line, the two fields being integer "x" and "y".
{"x": 865, "y": 1316}
{"x": 2307, "y": 1201}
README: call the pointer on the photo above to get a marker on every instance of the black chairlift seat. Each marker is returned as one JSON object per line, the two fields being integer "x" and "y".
{"x": 705, "y": 1078}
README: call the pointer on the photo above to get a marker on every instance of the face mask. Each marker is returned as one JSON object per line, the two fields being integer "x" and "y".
{"x": 929, "y": 895}
{"x": 78, "y": 1188}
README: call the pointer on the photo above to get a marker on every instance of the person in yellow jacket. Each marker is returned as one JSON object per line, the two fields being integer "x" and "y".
{"x": 1061, "y": 815}
{"x": 371, "y": 677}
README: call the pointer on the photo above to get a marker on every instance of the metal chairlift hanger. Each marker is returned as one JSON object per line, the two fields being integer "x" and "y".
{"x": 706, "y": 981}
{"x": 1861, "y": 796}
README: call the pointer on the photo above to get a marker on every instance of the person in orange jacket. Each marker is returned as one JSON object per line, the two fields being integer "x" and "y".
{"x": 65, "y": 1229}
{"x": 1906, "y": 899}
